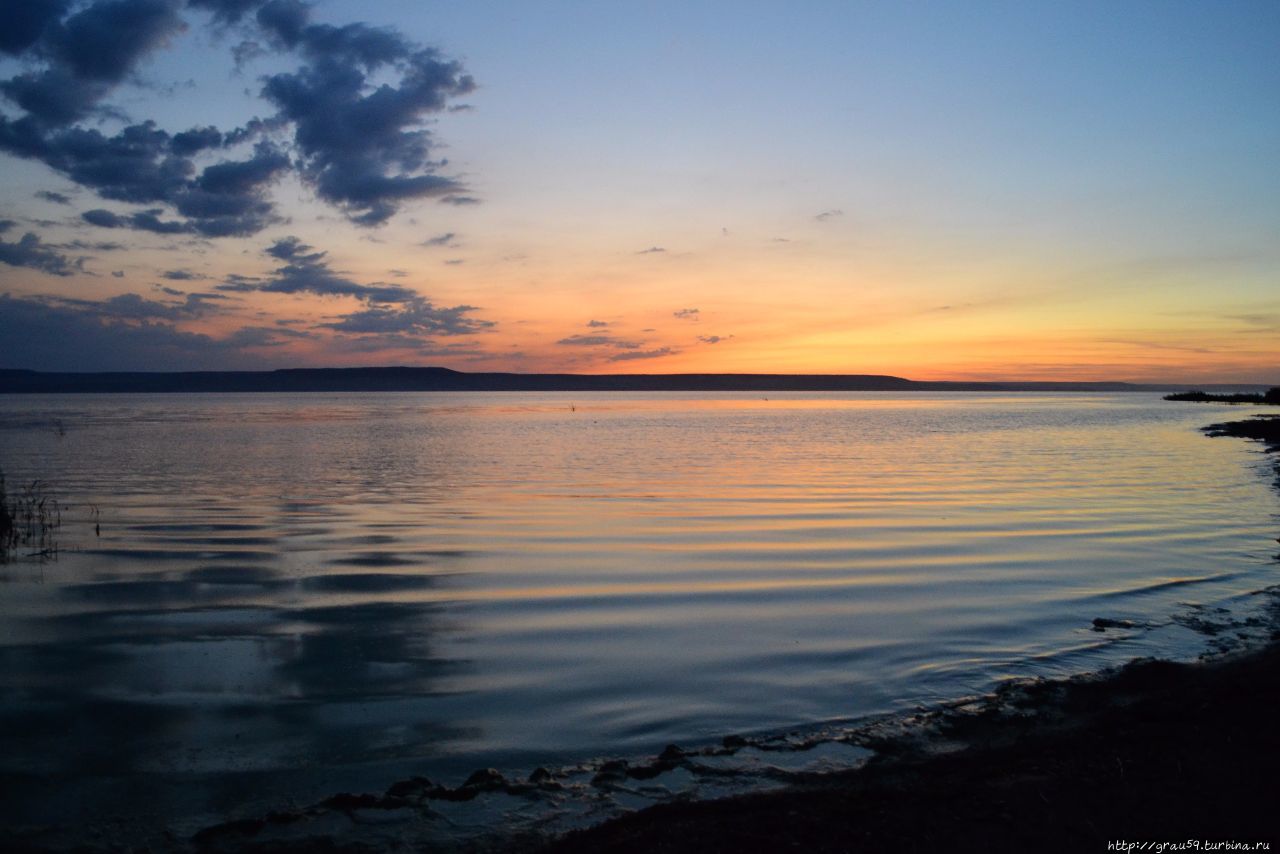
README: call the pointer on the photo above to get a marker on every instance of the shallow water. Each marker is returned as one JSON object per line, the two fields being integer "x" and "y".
{"x": 293, "y": 595}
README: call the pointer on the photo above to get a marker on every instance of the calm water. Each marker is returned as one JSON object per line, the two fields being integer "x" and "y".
{"x": 293, "y": 595}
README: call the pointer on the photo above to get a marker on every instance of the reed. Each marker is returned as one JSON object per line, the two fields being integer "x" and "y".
{"x": 29, "y": 521}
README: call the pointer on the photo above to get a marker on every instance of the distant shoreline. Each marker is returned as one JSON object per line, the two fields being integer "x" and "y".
{"x": 443, "y": 379}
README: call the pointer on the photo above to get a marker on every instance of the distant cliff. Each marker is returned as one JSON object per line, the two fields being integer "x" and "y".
{"x": 444, "y": 379}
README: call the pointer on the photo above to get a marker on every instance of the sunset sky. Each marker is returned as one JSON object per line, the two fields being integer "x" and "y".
{"x": 1085, "y": 190}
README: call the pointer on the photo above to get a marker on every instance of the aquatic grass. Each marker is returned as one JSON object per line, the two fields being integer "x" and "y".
{"x": 29, "y": 521}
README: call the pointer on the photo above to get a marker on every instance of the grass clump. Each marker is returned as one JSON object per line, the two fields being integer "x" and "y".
{"x": 28, "y": 522}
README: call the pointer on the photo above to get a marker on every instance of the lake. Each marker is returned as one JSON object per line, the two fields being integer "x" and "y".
{"x": 295, "y": 595}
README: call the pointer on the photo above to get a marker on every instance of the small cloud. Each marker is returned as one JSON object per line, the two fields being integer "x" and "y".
{"x": 399, "y": 274}
{"x": 460, "y": 201}
{"x": 632, "y": 355}
{"x": 780, "y": 240}
{"x": 829, "y": 214}
{"x": 182, "y": 276}
{"x": 453, "y": 262}
{"x": 713, "y": 339}
{"x": 598, "y": 341}
{"x": 651, "y": 250}
{"x": 597, "y": 324}
{"x": 445, "y": 239}
{"x": 686, "y": 314}
{"x": 56, "y": 198}
{"x": 119, "y": 274}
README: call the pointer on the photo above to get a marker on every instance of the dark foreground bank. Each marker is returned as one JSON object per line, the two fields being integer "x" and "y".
{"x": 1160, "y": 753}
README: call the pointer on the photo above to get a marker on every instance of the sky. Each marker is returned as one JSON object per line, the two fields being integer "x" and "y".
{"x": 979, "y": 190}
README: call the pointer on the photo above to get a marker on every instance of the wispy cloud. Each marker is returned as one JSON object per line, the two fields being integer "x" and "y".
{"x": 599, "y": 341}
{"x": 632, "y": 355}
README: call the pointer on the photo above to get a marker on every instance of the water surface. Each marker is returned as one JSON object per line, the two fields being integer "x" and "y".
{"x": 293, "y": 595}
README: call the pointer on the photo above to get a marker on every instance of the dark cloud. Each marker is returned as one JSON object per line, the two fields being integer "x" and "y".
{"x": 285, "y": 19}
{"x": 119, "y": 274}
{"x": 651, "y": 250}
{"x": 597, "y": 324}
{"x": 182, "y": 275}
{"x": 136, "y": 307}
{"x": 263, "y": 336}
{"x": 189, "y": 142}
{"x": 106, "y": 40}
{"x": 828, "y": 214}
{"x": 631, "y": 355}
{"x": 686, "y": 314}
{"x": 53, "y": 97}
{"x": 307, "y": 271}
{"x": 460, "y": 201}
{"x": 599, "y": 341}
{"x": 55, "y": 198}
{"x": 419, "y": 317}
{"x": 445, "y": 239}
{"x": 356, "y": 109}
{"x": 362, "y": 146}
{"x": 133, "y": 306}
{"x": 30, "y": 252}
{"x": 137, "y": 165}
{"x": 148, "y": 220}
{"x": 85, "y": 55}
{"x": 6, "y": 224}
{"x": 93, "y": 245}
{"x": 713, "y": 339}
{"x": 24, "y": 22}
{"x": 423, "y": 347}
{"x": 113, "y": 335}
{"x": 104, "y": 218}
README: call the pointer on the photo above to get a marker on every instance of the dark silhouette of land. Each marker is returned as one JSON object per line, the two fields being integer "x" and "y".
{"x": 1161, "y": 753}
{"x": 444, "y": 379}
{"x": 1271, "y": 397}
